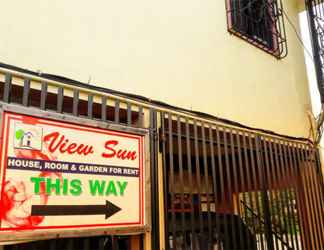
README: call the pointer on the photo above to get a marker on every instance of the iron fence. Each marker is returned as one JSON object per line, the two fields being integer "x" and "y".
{"x": 225, "y": 187}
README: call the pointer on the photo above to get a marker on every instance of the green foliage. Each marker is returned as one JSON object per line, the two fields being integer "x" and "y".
{"x": 282, "y": 209}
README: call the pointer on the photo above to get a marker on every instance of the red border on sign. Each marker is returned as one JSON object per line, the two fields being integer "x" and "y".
{"x": 8, "y": 116}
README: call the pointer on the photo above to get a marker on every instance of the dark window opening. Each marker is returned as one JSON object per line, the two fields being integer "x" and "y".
{"x": 259, "y": 22}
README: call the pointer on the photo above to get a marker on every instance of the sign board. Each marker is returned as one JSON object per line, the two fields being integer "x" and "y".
{"x": 58, "y": 175}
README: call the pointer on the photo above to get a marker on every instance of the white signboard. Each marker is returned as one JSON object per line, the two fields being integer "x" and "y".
{"x": 59, "y": 175}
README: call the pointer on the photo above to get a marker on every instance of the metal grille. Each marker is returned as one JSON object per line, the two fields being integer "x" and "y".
{"x": 230, "y": 189}
{"x": 224, "y": 187}
{"x": 315, "y": 13}
{"x": 259, "y": 22}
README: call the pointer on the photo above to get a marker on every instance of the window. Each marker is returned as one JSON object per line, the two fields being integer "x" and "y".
{"x": 259, "y": 22}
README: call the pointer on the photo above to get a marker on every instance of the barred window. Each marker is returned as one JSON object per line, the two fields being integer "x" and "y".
{"x": 259, "y": 22}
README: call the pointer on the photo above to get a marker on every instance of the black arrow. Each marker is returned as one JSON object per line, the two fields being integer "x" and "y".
{"x": 108, "y": 210}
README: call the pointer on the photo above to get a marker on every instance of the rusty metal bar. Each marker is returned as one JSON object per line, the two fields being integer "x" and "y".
{"x": 300, "y": 213}
{"x": 141, "y": 117}
{"x": 214, "y": 182}
{"x": 7, "y": 88}
{"x": 303, "y": 202}
{"x": 256, "y": 190}
{"x": 90, "y": 106}
{"x": 180, "y": 163}
{"x": 198, "y": 179}
{"x": 283, "y": 170}
{"x": 314, "y": 198}
{"x": 242, "y": 187}
{"x": 264, "y": 185}
{"x": 229, "y": 191}
{"x": 26, "y": 92}
{"x": 289, "y": 194}
{"x": 309, "y": 197}
{"x": 129, "y": 114}
{"x": 236, "y": 185}
{"x": 172, "y": 182}
{"x": 43, "y": 96}
{"x": 117, "y": 103}
{"x": 248, "y": 177}
{"x": 104, "y": 108}
{"x": 280, "y": 196}
{"x": 205, "y": 167}
{"x": 76, "y": 94}
{"x": 165, "y": 181}
{"x": 190, "y": 179}
{"x": 60, "y": 97}
{"x": 270, "y": 185}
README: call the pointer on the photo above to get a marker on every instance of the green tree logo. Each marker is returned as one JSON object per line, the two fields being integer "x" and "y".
{"x": 20, "y": 134}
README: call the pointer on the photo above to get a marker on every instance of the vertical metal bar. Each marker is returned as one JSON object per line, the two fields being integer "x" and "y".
{"x": 317, "y": 201}
{"x": 214, "y": 182}
{"x": 198, "y": 180}
{"x": 271, "y": 186}
{"x": 285, "y": 176}
{"x": 165, "y": 182}
{"x": 52, "y": 244}
{"x": 292, "y": 191}
{"x": 243, "y": 184}
{"x": 229, "y": 193}
{"x": 76, "y": 102}
{"x": 140, "y": 117}
{"x": 319, "y": 196}
{"x": 315, "y": 41}
{"x": 154, "y": 180}
{"x": 60, "y": 96}
{"x": 301, "y": 221}
{"x": 210, "y": 245}
{"x": 25, "y": 100}
{"x": 172, "y": 182}
{"x": 275, "y": 180}
{"x": 104, "y": 108}
{"x": 86, "y": 244}
{"x": 43, "y": 96}
{"x": 248, "y": 179}
{"x": 117, "y": 111}
{"x": 280, "y": 197}
{"x": 179, "y": 135}
{"x": 304, "y": 202}
{"x": 114, "y": 241}
{"x": 264, "y": 195}
{"x": 190, "y": 179}
{"x": 222, "y": 186}
{"x": 308, "y": 195}
{"x": 7, "y": 88}
{"x": 255, "y": 187}
{"x": 129, "y": 114}
{"x": 90, "y": 106}
{"x": 282, "y": 171}
{"x": 69, "y": 245}
{"x": 236, "y": 186}
{"x": 101, "y": 243}
{"x": 312, "y": 194}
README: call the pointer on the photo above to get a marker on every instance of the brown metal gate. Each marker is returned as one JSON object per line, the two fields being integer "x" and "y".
{"x": 233, "y": 189}
{"x": 224, "y": 187}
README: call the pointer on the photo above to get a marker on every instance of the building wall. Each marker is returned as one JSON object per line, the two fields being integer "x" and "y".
{"x": 178, "y": 52}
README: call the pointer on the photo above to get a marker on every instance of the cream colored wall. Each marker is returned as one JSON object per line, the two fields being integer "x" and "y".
{"x": 176, "y": 51}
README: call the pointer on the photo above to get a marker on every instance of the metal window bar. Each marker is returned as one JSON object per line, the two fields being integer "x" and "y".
{"x": 259, "y": 22}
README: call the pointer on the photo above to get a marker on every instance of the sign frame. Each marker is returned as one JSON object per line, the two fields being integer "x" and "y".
{"x": 42, "y": 234}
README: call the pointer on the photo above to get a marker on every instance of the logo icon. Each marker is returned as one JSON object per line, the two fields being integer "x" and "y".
{"x": 28, "y": 136}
